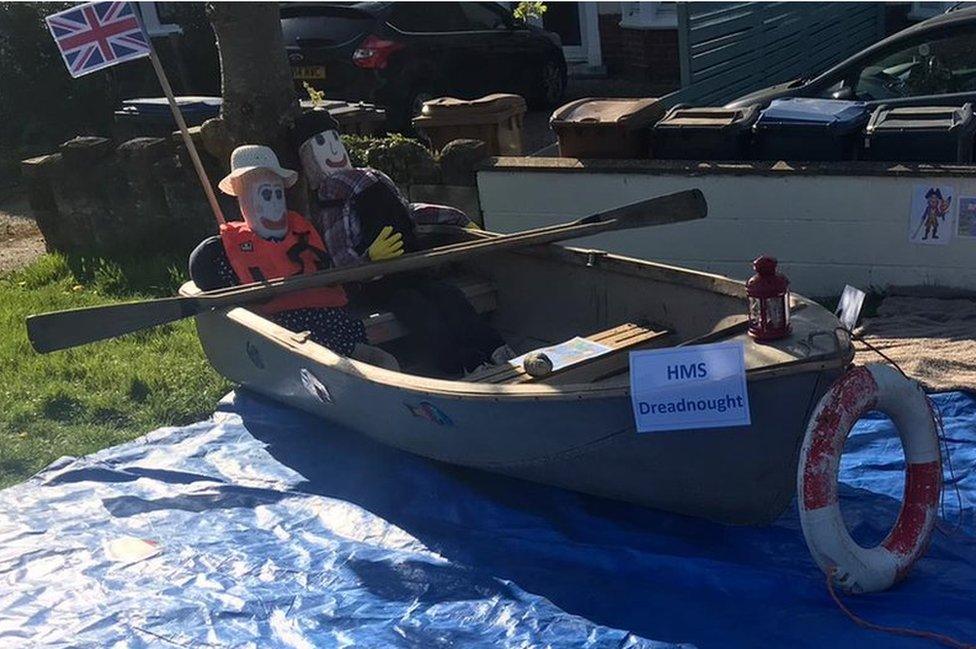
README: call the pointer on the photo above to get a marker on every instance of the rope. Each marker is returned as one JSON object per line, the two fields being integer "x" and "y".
{"x": 943, "y": 442}
{"x": 944, "y": 448}
{"x": 894, "y": 630}
{"x": 877, "y": 351}
{"x": 940, "y": 427}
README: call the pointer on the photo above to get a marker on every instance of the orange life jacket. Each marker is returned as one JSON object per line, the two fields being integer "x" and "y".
{"x": 255, "y": 259}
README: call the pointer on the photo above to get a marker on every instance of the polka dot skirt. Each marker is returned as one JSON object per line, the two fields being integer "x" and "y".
{"x": 332, "y": 328}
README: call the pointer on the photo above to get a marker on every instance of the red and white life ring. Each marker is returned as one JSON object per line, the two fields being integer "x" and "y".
{"x": 855, "y": 568}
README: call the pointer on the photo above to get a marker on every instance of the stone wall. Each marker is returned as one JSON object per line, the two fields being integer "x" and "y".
{"x": 143, "y": 196}
{"x": 92, "y": 197}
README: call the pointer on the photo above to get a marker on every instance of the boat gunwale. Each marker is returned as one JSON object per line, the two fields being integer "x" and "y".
{"x": 451, "y": 389}
{"x": 298, "y": 342}
{"x": 614, "y": 262}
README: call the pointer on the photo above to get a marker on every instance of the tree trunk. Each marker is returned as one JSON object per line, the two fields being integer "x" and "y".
{"x": 256, "y": 83}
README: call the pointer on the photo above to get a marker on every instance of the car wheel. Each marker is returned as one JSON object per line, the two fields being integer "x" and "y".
{"x": 408, "y": 106}
{"x": 420, "y": 97}
{"x": 547, "y": 85}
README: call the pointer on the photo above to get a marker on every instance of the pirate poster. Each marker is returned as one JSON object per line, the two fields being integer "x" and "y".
{"x": 931, "y": 221}
{"x": 967, "y": 217}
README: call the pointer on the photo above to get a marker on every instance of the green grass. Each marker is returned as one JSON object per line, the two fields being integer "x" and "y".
{"x": 77, "y": 401}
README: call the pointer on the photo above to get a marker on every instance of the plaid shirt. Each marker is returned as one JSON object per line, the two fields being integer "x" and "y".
{"x": 333, "y": 213}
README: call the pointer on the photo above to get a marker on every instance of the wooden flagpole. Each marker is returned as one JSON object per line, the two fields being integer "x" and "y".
{"x": 178, "y": 116}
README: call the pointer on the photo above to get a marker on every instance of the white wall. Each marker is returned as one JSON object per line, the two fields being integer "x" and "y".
{"x": 826, "y": 230}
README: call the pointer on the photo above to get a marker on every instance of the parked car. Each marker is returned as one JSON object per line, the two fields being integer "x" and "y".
{"x": 399, "y": 55}
{"x": 931, "y": 63}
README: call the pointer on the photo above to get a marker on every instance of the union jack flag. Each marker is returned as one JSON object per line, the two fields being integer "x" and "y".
{"x": 96, "y": 35}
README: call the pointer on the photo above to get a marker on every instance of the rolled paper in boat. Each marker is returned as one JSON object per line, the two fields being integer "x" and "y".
{"x": 537, "y": 364}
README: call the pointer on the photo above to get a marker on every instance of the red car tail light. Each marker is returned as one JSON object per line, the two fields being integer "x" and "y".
{"x": 373, "y": 52}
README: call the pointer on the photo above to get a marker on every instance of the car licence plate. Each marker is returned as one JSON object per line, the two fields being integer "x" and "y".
{"x": 316, "y": 72}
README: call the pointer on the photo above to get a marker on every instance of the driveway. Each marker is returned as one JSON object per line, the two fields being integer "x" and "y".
{"x": 20, "y": 240}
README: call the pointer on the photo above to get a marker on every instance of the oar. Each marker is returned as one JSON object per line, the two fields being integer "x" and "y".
{"x": 63, "y": 329}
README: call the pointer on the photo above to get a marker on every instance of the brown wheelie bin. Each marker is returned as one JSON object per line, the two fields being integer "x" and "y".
{"x": 598, "y": 127}
{"x": 493, "y": 119}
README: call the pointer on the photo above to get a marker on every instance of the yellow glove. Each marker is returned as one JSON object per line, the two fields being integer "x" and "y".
{"x": 386, "y": 246}
{"x": 471, "y": 225}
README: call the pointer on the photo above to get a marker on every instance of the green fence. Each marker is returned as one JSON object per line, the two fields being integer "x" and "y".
{"x": 728, "y": 49}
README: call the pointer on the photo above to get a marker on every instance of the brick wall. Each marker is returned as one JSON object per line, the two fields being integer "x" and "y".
{"x": 648, "y": 55}
{"x": 611, "y": 43}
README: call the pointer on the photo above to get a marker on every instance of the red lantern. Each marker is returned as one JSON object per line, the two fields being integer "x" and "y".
{"x": 769, "y": 301}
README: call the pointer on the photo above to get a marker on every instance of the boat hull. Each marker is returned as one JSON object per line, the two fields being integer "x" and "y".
{"x": 581, "y": 441}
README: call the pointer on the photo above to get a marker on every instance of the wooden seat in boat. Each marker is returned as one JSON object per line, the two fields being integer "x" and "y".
{"x": 622, "y": 339}
{"x": 383, "y": 326}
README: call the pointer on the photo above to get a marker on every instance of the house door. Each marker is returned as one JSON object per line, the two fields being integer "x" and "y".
{"x": 577, "y": 26}
{"x": 564, "y": 19}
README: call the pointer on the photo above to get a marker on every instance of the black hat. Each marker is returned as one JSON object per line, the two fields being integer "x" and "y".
{"x": 310, "y": 123}
{"x": 934, "y": 191}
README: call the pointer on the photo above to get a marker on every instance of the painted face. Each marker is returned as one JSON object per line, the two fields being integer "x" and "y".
{"x": 261, "y": 194}
{"x": 323, "y": 155}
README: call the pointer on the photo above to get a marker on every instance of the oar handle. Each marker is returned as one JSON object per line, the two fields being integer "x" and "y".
{"x": 672, "y": 208}
{"x": 63, "y": 329}
{"x": 248, "y": 293}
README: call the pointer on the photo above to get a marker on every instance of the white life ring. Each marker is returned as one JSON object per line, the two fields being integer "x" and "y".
{"x": 854, "y": 568}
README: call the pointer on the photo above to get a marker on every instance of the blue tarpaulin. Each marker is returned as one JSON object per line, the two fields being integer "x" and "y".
{"x": 266, "y": 527}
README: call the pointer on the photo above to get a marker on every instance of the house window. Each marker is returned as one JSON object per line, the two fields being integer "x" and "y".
{"x": 649, "y": 15}
{"x": 158, "y": 17}
{"x": 429, "y": 17}
{"x": 482, "y": 16}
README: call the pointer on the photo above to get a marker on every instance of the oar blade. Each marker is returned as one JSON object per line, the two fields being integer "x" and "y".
{"x": 50, "y": 332}
{"x": 681, "y": 206}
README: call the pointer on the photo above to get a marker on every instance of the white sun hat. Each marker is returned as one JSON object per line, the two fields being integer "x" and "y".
{"x": 250, "y": 157}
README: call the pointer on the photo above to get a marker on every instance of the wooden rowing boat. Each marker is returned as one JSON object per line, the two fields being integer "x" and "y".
{"x": 575, "y": 427}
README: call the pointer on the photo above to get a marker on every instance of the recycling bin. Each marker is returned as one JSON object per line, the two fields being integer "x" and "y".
{"x": 603, "y": 127}
{"x": 152, "y": 117}
{"x": 808, "y": 129}
{"x": 921, "y": 134}
{"x": 690, "y": 133}
{"x": 354, "y": 118}
{"x": 494, "y": 119}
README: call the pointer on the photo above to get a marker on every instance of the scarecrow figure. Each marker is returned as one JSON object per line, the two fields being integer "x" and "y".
{"x": 363, "y": 218}
{"x": 935, "y": 209}
{"x": 273, "y": 242}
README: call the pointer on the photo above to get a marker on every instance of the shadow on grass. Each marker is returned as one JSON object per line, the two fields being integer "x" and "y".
{"x": 117, "y": 277}
{"x": 62, "y": 407}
